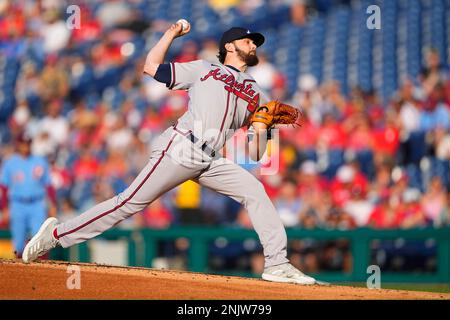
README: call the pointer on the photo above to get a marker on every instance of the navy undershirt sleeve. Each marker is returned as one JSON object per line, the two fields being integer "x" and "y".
{"x": 163, "y": 74}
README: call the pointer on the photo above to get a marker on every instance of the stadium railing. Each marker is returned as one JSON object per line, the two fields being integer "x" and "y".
{"x": 142, "y": 247}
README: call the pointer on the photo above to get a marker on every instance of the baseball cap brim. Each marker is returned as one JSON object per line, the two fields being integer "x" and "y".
{"x": 237, "y": 33}
{"x": 257, "y": 38}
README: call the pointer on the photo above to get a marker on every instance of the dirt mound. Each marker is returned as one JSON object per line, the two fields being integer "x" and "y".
{"x": 49, "y": 280}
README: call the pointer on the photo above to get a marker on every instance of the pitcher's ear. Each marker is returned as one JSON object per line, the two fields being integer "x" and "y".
{"x": 229, "y": 47}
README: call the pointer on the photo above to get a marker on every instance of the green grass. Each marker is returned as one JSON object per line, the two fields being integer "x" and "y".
{"x": 427, "y": 287}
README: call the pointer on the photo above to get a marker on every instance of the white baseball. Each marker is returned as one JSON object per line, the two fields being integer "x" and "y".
{"x": 184, "y": 24}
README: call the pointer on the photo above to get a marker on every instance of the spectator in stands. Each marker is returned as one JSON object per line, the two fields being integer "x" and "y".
{"x": 155, "y": 91}
{"x": 385, "y": 215}
{"x": 209, "y": 51}
{"x": 339, "y": 219}
{"x": 61, "y": 177}
{"x": 359, "y": 133}
{"x": 409, "y": 118}
{"x": 272, "y": 184}
{"x": 99, "y": 190}
{"x": 187, "y": 204}
{"x": 91, "y": 27}
{"x": 151, "y": 122}
{"x": 288, "y": 203}
{"x": 381, "y": 182}
{"x": 386, "y": 138}
{"x": 411, "y": 212}
{"x": 265, "y": 74}
{"x": 358, "y": 206}
{"x": 114, "y": 166}
{"x": 137, "y": 158}
{"x": 334, "y": 101}
{"x": 435, "y": 113}
{"x": 55, "y": 124}
{"x": 289, "y": 157}
{"x": 401, "y": 183}
{"x": 173, "y": 106}
{"x": 347, "y": 178}
{"x": 54, "y": 31}
{"x": 106, "y": 54}
{"x": 66, "y": 210}
{"x": 214, "y": 208}
{"x": 434, "y": 72}
{"x": 113, "y": 12}
{"x": 298, "y": 11}
{"x": 248, "y": 7}
{"x": 409, "y": 108}
{"x": 54, "y": 81}
{"x": 434, "y": 201}
{"x": 446, "y": 217}
{"x": 43, "y": 145}
{"x": 156, "y": 216}
{"x": 86, "y": 167}
{"x": 92, "y": 125}
{"x": 223, "y": 5}
{"x": 374, "y": 109}
{"x": 83, "y": 123}
{"x": 442, "y": 144}
{"x": 21, "y": 117}
{"x": 28, "y": 84}
{"x": 189, "y": 52}
{"x": 316, "y": 211}
{"x": 311, "y": 184}
{"x": 120, "y": 136}
{"x": 131, "y": 114}
{"x": 331, "y": 135}
{"x": 309, "y": 97}
{"x": 13, "y": 22}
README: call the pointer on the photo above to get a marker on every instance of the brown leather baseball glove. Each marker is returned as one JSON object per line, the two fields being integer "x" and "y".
{"x": 275, "y": 112}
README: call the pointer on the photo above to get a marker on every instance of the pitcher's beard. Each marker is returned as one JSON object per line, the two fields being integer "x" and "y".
{"x": 250, "y": 59}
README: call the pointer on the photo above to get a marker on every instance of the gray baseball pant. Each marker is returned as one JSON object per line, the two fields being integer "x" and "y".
{"x": 174, "y": 160}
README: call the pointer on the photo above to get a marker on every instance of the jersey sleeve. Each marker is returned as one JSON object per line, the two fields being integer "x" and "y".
{"x": 46, "y": 178}
{"x": 183, "y": 75}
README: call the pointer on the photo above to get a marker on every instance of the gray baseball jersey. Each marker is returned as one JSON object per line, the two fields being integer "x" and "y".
{"x": 221, "y": 98}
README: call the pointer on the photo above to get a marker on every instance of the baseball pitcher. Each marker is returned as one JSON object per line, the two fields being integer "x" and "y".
{"x": 222, "y": 97}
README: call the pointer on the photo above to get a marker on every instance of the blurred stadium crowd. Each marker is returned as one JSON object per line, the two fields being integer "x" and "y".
{"x": 374, "y": 149}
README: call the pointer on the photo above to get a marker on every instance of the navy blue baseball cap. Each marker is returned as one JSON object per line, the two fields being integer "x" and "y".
{"x": 237, "y": 33}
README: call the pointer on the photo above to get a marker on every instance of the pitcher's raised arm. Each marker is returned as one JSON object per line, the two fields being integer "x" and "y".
{"x": 157, "y": 54}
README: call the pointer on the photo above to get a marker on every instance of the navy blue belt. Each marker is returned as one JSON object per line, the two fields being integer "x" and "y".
{"x": 205, "y": 148}
{"x": 28, "y": 199}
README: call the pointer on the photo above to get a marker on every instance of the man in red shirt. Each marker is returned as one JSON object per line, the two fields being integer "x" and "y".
{"x": 385, "y": 216}
{"x": 347, "y": 178}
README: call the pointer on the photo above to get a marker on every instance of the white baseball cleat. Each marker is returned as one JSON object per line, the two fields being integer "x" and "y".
{"x": 42, "y": 241}
{"x": 286, "y": 273}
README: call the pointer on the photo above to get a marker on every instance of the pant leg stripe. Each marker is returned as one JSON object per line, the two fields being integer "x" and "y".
{"x": 126, "y": 200}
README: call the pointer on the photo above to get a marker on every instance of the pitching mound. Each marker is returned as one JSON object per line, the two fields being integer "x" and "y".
{"x": 48, "y": 280}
